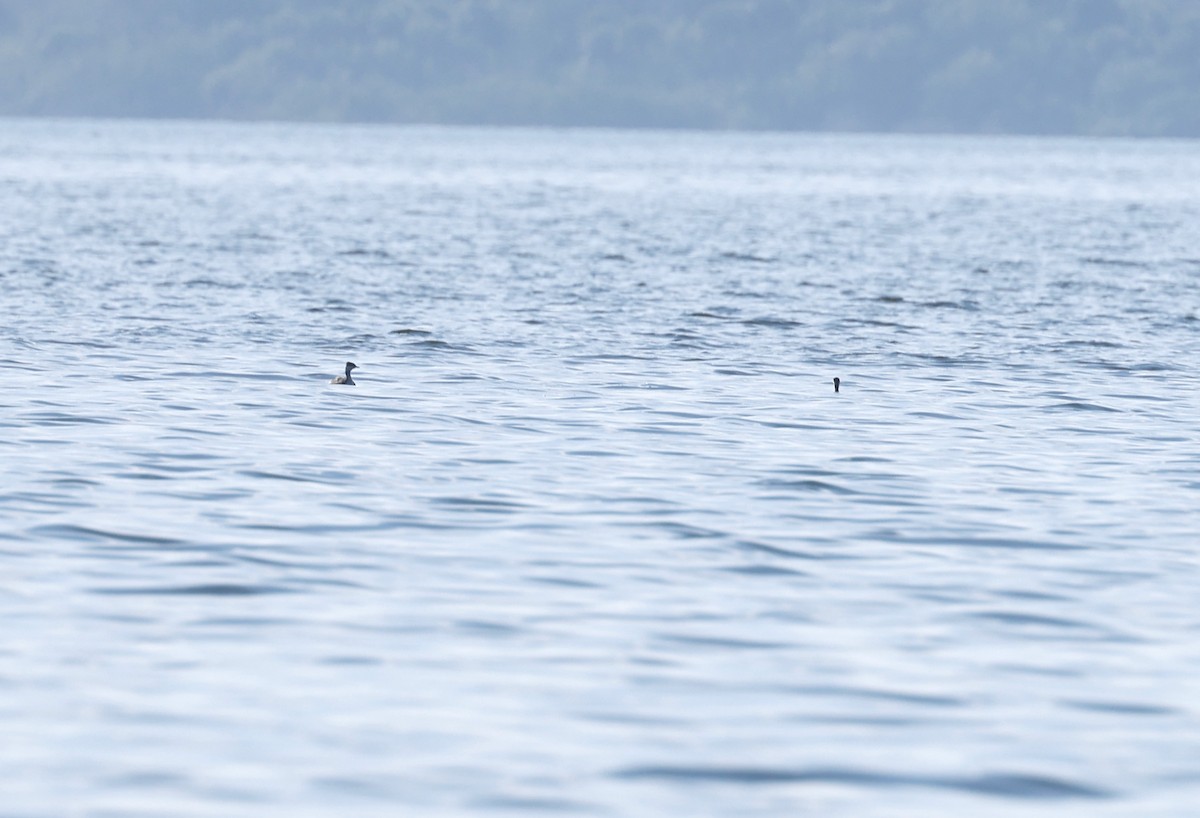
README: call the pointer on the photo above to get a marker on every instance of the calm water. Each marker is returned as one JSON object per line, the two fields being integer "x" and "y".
{"x": 593, "y": 535}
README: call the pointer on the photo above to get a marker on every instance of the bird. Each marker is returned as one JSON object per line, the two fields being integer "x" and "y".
{"x": 837, "y": 382}
{"x": 346, "y": 379}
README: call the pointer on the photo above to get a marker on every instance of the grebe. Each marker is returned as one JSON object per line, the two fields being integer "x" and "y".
{"x": 346, "y": 379}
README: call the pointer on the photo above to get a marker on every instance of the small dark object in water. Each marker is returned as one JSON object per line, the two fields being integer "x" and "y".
{"x": 346, "y": 379}
{"x": 837, "y": 383}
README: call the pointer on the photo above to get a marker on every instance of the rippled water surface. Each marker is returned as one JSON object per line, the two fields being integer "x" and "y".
{"x": 593, "y": 534}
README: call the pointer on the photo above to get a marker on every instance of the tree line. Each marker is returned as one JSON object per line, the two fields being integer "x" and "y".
{"x": 1110, "y": 67}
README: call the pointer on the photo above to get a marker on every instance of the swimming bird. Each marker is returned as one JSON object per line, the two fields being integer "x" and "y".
{"x": 346, "y": 379}
{"x": 837, "y": 382}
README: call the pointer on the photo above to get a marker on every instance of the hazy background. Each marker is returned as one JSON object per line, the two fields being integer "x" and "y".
{"x": 1127, "y": 67}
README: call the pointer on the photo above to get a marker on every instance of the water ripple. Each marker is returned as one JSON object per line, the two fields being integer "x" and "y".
{"x": 1002, "y": 785}
{"x": 210, "y": 589}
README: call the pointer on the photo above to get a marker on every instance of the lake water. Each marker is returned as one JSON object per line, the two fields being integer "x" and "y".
{"x": 593, "y": 534}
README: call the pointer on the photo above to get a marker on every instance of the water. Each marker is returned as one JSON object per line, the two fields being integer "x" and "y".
{"x": 593, "y": 534}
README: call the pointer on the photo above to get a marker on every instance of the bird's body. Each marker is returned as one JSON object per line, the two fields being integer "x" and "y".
{"x": 346, "y": 380}
{"x": 837, "y": 382}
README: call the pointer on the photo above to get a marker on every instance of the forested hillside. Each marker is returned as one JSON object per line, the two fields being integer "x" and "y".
{"x": 997, "y": 66}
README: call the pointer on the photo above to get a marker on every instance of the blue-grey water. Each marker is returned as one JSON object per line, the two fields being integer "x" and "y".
{"x": 593, "y": 534}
